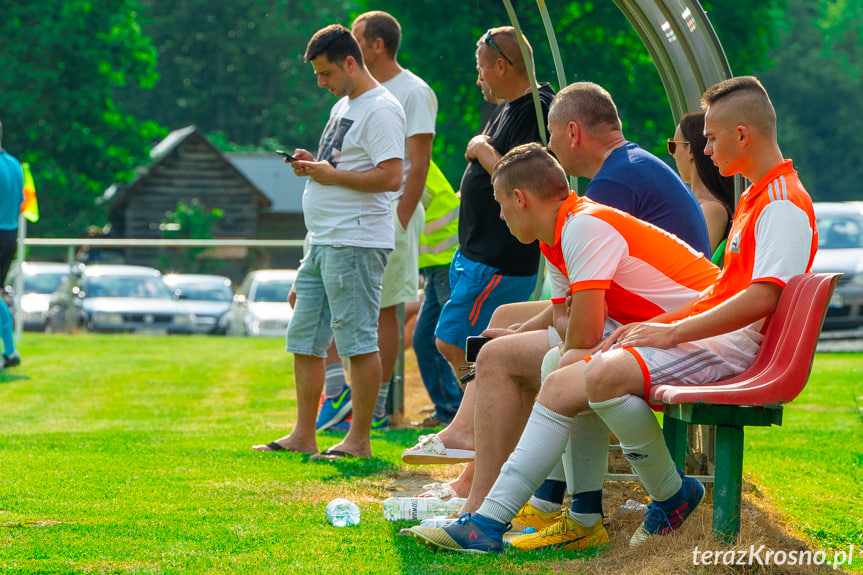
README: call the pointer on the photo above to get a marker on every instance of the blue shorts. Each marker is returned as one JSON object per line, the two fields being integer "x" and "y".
{"x": 338, "y": 297}
{"x": 476, "y": 291}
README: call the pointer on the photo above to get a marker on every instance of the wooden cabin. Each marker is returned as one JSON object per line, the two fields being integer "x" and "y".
{"x": 185, "y": 167}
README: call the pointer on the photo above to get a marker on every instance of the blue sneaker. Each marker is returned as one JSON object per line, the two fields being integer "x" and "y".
{"x": 343, "y": 425}
{"x": 332, "y": 411}
{"x": 380, "y": 423}
{"x": 464, "y": 536}
{"x": 664, "y": 517}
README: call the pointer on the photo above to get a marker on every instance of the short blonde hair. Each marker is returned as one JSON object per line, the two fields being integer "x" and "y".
{"x": 531, "y": 167}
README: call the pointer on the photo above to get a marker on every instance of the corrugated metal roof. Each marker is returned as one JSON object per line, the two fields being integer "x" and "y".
{"x": 274, "y": 178}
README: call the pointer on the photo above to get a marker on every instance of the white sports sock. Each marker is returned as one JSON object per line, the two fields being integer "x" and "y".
{"x": 536, "y": 454}
{"x": 335, "y": 382}
{"x": 381, "y": 403}
{"x": 585, "y": 460}
{"x": 635, "y": 425}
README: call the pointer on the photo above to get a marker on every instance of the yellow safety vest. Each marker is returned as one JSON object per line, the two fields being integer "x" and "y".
{"x": 439, "y": 239}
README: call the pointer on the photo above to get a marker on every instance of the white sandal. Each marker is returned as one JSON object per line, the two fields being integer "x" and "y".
{"x": 431, "y": 449}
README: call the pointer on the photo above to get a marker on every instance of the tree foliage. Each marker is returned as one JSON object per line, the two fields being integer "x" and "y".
{"x": 597, "y": 44}
{"x": 815, "y": 85}
{"x": 60, "y": 61}
{"x": 236, "y": 67}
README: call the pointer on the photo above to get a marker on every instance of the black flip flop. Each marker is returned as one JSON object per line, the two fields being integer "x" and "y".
{"x": 273, "y": 446}
{"x": 332, "y": 455}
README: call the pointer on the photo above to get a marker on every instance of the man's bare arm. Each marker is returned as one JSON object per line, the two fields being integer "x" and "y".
{"x": 752, "y": 304}
{"x": 385, "y": 177}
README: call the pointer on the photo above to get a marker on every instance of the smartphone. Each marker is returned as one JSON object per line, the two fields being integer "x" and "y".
{"x": 474, "y": 342}
{"x": 284, "y": 154}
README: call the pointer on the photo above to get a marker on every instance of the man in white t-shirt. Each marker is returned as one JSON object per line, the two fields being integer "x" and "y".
{"x": 347, "y": 212}
{"x": 379, "y": 36}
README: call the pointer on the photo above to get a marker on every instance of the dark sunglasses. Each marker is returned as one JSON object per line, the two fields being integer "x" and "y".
{"x": 672, "y": 145}
{"x": 487, "y": 40}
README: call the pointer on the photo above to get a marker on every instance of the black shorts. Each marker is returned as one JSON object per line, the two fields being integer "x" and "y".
{"x": 8, "y": 249}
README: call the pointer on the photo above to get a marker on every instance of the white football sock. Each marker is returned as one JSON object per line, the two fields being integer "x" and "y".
{"x": 635, "y": 425}
{"x": 536, "y": 454}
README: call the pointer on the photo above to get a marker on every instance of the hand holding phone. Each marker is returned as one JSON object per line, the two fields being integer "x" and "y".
{"x": 474, "y": 343}
{"x": 286, "y": 155}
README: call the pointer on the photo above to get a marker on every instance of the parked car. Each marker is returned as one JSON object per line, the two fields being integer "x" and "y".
{"x": 39, "y": 281}
{"x": 118, "y": 298}
{"x": 261, "y": 306}
{"x": 208, "y": 296}
{"x": 840, "y": 249}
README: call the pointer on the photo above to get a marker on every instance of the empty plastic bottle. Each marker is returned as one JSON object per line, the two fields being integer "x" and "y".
{"x": 413, "y": 508}
{"x": 632, "y": 506}
{"x": 439, "y": 521}
{"x": 454, "y": 505}
{"x": 343, "y": 513}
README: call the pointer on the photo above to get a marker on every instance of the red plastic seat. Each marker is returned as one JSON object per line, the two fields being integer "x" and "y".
{"x": 780, "y": 370}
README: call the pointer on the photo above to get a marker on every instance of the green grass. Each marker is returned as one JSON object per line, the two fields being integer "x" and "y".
{"x": 812, "y": 466}
{"x": 123, "y": 454}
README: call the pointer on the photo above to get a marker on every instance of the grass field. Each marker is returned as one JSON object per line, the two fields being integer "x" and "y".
{"x": 124, "y": 454}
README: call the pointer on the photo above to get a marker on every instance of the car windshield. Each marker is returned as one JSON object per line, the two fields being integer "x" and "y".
{"x": 205, "y": 291}
{"x": 273, "y": 290}
{"x": 118, "y": 286}
{"x": 45, "y": 283}
{"x": 840, "y": 232}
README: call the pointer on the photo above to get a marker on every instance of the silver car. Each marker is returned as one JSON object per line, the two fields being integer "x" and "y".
{"x": 118, "y": 298}
{"x": 38, "y": 281}
{"x": 261, "y": 306}
{"x": 840, "y": 249}
{"x": 207, "y": 296}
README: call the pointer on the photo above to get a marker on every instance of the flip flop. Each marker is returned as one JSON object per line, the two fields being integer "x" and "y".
{"x": 431, "y": 449}
{"x": 271, "y": 446}
{"x": 332, "y": 455}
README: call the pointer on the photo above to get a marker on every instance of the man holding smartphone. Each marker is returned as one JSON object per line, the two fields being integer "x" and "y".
{"x": 347, "y": 212}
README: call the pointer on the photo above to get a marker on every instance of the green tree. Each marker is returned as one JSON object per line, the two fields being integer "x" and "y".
{"x": 236, "y": 67}
{"x": 815, "y": 84}
{"x": 60, "y": 61}
{"x": 597, "y": 44}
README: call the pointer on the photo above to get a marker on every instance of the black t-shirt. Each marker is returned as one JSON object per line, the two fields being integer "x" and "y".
{"x": 483, "y": 236}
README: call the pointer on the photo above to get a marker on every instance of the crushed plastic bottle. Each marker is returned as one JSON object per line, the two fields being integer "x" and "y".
{"x": 632, "y": 506}
{"x": 343, "y": 513}
{"x": 414, "y": 508}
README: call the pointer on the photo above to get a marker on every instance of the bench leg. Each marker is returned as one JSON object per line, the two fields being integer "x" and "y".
{"x": 728, "y": 484}
{"x": 674, "y": 431}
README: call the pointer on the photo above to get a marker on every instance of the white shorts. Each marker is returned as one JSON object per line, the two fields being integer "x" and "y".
{"x": 401, "y": 276}
{"x": 551, "y": 361}
{"x": 699, "y": 362}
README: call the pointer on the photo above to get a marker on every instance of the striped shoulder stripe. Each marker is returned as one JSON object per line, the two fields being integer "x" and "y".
{"x": 778, "y": 189}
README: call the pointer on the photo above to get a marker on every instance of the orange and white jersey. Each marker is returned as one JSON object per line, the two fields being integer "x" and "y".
{"x": 772, "y": 238}
{"x": 645, "y": 270}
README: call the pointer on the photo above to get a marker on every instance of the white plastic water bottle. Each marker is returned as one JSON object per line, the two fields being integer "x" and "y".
{"x": 413, "y": 508}
{"x": 343, "y": 513}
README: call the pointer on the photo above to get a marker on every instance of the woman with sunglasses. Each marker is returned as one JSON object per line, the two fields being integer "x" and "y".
{"x": 715, "y": 193}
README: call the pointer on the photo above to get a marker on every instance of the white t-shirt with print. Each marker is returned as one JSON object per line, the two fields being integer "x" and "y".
{"x": 420, "y": 105}
{"x": 360, "y": 134}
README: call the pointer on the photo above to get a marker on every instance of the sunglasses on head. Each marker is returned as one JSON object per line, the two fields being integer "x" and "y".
{"x": 487, "y": 40}
{"x": 672, "y": 145}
